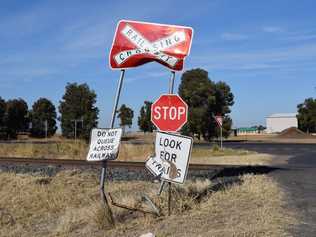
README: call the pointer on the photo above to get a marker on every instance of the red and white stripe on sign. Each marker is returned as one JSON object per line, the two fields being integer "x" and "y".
{"x": 136, "y": 43}
{"x": 219, "y": 120}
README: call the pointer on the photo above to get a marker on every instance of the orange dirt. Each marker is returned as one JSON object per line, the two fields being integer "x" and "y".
{"x": 293, "y": 133}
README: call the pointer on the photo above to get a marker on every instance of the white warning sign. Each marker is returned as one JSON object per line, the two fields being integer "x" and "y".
{"x": 104, "y": 144}
{"x": 171, "y": 159}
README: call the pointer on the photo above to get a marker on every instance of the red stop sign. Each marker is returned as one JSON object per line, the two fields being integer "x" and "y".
{"x": 169, "y": 113}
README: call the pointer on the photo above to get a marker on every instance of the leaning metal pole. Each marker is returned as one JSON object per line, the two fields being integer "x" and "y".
{"x": 171, "y": 82}
{"x": 171, "y": 88}
{"x": 221, "y": 137}
{"x": 104, "y": 163}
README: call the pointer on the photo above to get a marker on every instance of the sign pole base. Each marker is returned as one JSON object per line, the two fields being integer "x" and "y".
{"x": 104, "y": 163}
{"x": 169, "y": 199}
{"x": 108, "y": 211}
{"x": 221, "y": 138}
{"x": 162, "y": 184}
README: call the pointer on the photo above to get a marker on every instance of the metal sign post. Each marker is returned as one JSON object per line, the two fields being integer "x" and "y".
{"x": 46, "y": 129}
{"x": 221, "y": 131}
{"x": 219, "y": 122}
{"x": 75, "y": 128}
{"x": 171, "y": 82}
{"x": 104, "y": 163}
{"x": 171, "y": 87}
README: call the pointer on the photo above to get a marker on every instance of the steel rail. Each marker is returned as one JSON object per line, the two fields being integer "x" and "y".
{"x": 111, "y": 164}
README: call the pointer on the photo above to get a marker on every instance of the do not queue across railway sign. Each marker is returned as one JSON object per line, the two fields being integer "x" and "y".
{"x": 104, "y": 144}
{"x": 169, "y": 113}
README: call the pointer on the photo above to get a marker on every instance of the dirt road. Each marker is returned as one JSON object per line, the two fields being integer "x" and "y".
{"x": 299, "y": 179}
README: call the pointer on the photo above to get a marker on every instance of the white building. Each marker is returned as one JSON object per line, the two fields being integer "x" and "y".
{"x": 278, "y": 122}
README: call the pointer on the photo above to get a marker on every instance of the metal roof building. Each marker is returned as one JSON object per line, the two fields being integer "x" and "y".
{"x": 278, "y": 122}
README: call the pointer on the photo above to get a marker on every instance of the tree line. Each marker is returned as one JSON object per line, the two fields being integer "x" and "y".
{"x": 79, "y": 114}
{"x": 77, "y": 104}
{"x": 206, "y": 98}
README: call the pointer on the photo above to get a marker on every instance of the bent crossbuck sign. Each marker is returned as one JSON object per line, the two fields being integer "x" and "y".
{"x": 136, "y": 43}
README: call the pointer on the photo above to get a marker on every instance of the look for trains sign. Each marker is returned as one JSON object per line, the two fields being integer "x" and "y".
{"x": 171, "y": 159}
{"x": 136, "y": 43}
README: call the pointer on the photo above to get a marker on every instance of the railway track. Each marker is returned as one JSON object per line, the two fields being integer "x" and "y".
{"x": 82, "y": 163}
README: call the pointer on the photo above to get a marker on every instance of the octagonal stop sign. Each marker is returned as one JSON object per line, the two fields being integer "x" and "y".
{"x": 169, "y": 113}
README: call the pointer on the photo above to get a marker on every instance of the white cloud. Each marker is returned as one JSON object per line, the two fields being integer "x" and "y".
{"x": 147, "y": 75}
{"x": 272, "y": 29}
{"x": 233, "y": 36}
{"x": 302, "y": 36}
{"x": 287, "y": 58}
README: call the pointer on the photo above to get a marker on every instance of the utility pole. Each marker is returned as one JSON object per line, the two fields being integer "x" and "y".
{"x": 46, "y": 129}
{"x": 75, "y": 127}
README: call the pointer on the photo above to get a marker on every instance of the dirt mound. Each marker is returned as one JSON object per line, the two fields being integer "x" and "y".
{"x": 293, "y": 133}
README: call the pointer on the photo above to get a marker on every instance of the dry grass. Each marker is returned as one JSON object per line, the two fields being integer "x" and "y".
{"x": 130, "y": 152}
{"x": 61, "y": 150}
{"x": 78, "y": 150}
{"x": 68, "y": 205}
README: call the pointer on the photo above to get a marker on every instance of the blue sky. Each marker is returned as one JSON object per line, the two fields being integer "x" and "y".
{"x": 265, "y": 50}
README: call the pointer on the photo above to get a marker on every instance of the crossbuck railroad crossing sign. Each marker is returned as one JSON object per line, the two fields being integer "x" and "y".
{"x": 136, "y": 43}
{"x": 171, "y": 159}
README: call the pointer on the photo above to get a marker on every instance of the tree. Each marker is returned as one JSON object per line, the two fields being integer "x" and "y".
{"x": 260, "y": 128}
{"x": 2, "y": 112}
{"x": 144, "y": 121}
{"x": 307, "y": 115}
{"x": 125, "y": 114}
{"x": 77, "y": 108}
{"x": 3, "y": 106}
{"x": 15, "y": 118}
{"x": 205, "y": 100}
{"x": 43, "y": 111}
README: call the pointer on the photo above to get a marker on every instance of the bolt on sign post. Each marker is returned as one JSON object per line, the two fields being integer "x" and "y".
{"x": 219, "y": 122}
{"x": 136, "y": 43}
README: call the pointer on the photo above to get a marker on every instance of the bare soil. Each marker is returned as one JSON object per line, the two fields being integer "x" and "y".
{"x": 293, "y": 133}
